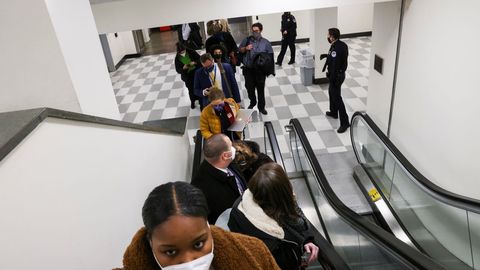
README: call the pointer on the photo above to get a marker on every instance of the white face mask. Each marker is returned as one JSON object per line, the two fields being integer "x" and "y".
{"x": 202, "y": 263}
{"x": 234, "y": 151}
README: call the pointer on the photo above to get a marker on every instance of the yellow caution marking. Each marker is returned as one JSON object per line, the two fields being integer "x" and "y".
{"x": 374, "y": 195}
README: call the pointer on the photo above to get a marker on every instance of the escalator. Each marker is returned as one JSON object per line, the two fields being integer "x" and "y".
{"x": 356, "y": 240}
{"x": 346, "y": 239}
{"x": 443, "y": 225}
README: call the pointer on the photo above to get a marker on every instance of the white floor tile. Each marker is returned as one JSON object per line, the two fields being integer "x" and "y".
{"x": 135, "y": 107}
{"x": 142, "y": 117}
{"x": 315, "y": 140}
{"x": 298, "y": 111}
{"x": 169, "y": 113}
{"x": 278, "y": 101}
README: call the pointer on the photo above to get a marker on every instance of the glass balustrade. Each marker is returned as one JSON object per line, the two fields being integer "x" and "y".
{"x": 447, "y": 232}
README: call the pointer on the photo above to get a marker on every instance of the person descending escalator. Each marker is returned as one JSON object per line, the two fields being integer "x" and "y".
{"x": 268, "y": 210}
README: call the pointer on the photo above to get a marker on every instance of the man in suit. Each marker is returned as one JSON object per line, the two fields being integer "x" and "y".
{"x": 221, "y": 182}
{"x": 219, "y": 75}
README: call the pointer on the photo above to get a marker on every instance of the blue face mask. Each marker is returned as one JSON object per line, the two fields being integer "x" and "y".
{"x": 218, "y": 107}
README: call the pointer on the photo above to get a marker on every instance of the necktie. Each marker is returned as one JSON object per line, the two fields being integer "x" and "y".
{"x": 240, "y": 186}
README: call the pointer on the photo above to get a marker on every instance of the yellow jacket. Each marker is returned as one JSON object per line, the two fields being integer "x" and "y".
{"x": 210, "y": 122}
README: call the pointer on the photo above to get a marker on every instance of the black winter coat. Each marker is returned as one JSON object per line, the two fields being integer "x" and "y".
{"x": 220, "y": 190}
{"x": 287, "y": 251}
{"x": 194, "y": 56}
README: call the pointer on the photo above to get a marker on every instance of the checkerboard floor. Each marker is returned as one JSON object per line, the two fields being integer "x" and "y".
{"x": 148, "y": 88}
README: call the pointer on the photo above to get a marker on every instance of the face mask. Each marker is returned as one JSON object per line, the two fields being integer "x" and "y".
{"x": 218, "y": 107}
{"x": 217, "y": 56}
{"x": 202, "y": 263}
{"x": 209, "y": 69}
{"x": 183, "y": 53}
{"x": 329, "y": 41}
{"x": 234, "y": 151}
{"x": 257, "y": 35}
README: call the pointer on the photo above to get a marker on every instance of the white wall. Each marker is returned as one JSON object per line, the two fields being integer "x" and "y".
{"x": 321, "y": 20}
{"x": 435, "y": 114}
{"x": 126, "y": 15}
{"x": 71, "y": 193}
{"x": 121, "y": 45}
{"x": 386, "y": 21}
{"x": 272, "y": 23}
{"x": 33, "y": 71}
{"x": 355, "y": 18}
{"x": 79, "y": 42}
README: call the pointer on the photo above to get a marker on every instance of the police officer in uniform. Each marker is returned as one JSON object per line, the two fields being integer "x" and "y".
{"x": 289, "y": 33}
{"x": 337, "y": 65}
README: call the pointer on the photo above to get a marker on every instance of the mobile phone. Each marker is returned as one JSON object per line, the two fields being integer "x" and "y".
{"x": 305, "y": 257}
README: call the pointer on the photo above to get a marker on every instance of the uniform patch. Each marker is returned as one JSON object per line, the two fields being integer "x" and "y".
{"x": 334, "y": 53}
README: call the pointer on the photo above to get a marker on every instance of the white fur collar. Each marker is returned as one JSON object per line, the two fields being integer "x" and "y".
{"x": 254, "y": 213}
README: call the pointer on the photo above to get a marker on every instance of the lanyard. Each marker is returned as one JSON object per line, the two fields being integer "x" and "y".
{"x": 214, "y": 76}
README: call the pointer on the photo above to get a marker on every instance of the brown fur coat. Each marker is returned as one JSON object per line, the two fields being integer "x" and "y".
{"x": 231, "y": 251}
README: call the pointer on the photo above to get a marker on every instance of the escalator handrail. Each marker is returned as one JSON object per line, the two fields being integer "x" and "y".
{"x": 274, "y": 146}
{"x": 435, "y": 191}
{"x": 383, "y": 238}
{"x": 197, "y": 154}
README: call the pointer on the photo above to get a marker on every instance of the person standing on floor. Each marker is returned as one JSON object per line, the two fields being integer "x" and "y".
{"x": 337, "y": 65}
{"x": 219, "y": 75}
{"x": 187, "y": 61}
{"x": 189, "y": 34}
{"x": 268, "y": 210}
{"x": 219, "y": 115}
{"x": 221, "y": 37}
{"x": 258, "y": 63}
{"x": 289, "y": 33}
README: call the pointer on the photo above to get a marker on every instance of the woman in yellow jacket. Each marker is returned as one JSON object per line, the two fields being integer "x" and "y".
{"x": 217, "y": 116}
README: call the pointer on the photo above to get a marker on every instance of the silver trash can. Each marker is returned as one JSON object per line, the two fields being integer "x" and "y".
{"x": 307, "y": 66}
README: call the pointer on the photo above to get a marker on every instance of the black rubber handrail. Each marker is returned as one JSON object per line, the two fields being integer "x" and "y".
{"x": 272, "y": 138}
{"x": 197, "y": 154}
{"x": 386, "y": 240}
{"x": 435, "y": 191}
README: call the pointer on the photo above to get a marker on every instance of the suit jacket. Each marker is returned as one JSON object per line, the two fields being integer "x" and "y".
{"x": 220, "y": 190}
{"x": 202, "y": 81}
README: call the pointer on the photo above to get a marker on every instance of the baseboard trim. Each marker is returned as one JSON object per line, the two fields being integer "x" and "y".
{"x": 300, "y": 40}
{"x": 358, "y": 34}
{"x": 320, "y": 81}
{"x": 133, "y": 55}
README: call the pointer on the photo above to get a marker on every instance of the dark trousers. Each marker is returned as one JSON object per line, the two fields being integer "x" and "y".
{"x": 189, "y": 80}
{"x": 254, "y": 80}
{"x": 290, "y": 42}
{"x": 336, "y": 102}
